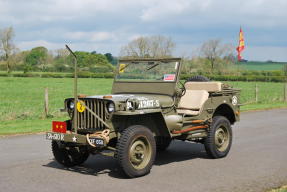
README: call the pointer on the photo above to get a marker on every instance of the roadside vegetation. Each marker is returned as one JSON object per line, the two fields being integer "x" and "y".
{"x": 22, "y": 99}
{"x": 281, "y": 189}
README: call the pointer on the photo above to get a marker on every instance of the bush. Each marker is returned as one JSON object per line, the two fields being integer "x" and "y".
{"x": 27, "y": 75}
{"x": 103, "y": 75}
{"x": 240, "y": 78}
{"x": 84, "y": 74}
{"x": 53, "y": 75}
{"x": 264, "y": 77}
{"x": 4, "y": 74}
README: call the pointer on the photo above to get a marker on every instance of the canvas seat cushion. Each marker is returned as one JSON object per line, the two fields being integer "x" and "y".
{"x": 208, "y": 86}
{"x": 192, "y": 102}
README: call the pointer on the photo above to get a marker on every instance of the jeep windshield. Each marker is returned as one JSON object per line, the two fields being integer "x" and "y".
{"x": 159, "y": 71}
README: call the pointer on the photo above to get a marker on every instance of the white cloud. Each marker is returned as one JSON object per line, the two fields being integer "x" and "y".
{"x": 37, "y": 43}
{"x": 161, "y": 9}
{"x": 112, "y": 23}
{"x": 102, "y": 36}
{"x": 90, "y": 36}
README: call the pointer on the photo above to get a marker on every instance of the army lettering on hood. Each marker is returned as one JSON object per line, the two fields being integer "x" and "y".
{"x": 148, "y": 104}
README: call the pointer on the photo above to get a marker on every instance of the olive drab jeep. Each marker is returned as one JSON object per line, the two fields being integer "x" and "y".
{"x": 148, "y": 108}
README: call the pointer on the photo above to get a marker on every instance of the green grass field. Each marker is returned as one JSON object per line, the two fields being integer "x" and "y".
{"x": 281, "y": 189}
{"x": 262, "y": 66}
{"x": 22, "y": 99}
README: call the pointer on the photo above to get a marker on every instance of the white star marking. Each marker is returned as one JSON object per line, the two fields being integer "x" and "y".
{"x": 74, "y": 139}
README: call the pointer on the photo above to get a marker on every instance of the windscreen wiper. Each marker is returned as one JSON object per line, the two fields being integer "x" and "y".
{"x": 152, "y": 66}
{"x": 123, "y": 68}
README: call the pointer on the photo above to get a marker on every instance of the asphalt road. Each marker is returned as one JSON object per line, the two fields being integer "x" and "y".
{"x": 257, "y": 161}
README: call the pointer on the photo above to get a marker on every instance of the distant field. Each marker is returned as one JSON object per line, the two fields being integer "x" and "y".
{"x": 22, "y": 99}
{"x": 262, "y": 66}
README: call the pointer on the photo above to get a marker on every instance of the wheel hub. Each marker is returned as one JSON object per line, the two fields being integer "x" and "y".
{"x": 139, "y": 153}
{"x": 221, "y": 138}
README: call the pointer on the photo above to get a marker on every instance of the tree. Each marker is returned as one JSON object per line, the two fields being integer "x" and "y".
{"x": 7, "y": 46}
{"x": 213, "y": 51}
{"x": 60, "y": 60}
{"x": 113, "y": 60}
{"x": 285, "y": 70}
{"x": 94, "y": 61}
{"x": 150, "y": 46}
{"x": 37, "y": 58}
{"x": 91, "y": 61}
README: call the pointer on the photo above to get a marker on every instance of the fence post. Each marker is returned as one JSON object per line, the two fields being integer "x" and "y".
{"x": 285, "y": 92}
{"x": 256, "y": 93}
{"x": 46, "y": 106}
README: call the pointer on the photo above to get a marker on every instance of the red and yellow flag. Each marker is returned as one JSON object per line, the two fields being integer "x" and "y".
{"x": 241, "y": 44}
{"x": 59, "y": 126}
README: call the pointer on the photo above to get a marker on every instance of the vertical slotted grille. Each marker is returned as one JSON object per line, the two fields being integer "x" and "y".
{"x": 87, "y": 121}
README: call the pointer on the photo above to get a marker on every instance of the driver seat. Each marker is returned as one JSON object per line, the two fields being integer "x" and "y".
{"x": 192, "y": 102}
{"x": 195, "y": 96}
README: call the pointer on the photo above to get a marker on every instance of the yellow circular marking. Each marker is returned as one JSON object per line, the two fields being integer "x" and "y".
{"x": 81, "y": 108}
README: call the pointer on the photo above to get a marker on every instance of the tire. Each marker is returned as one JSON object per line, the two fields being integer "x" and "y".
{"x": 219, "y": 138}
{"x": 198, "y": 78}
{"x": 162, "y": 143}
{"x": 69, "y": 156}
{"x": 136, "y": 150}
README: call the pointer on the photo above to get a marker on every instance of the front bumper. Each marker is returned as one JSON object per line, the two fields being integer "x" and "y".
{"x": 76, "y": 139}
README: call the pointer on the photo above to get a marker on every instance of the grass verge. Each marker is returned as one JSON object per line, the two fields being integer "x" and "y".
{"x": 281, "y": 189}
{"x": 26, "y": 126}
{"x": 22, "y": 99}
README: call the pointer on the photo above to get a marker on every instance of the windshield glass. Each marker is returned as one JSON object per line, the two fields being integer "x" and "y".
{"x": 147, "y": 71}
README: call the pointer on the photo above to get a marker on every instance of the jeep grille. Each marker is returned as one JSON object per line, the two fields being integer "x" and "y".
{"x": 87, "y": 121}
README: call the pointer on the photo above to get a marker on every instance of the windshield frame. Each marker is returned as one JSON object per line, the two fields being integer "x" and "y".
{"x": 148, "y": 60}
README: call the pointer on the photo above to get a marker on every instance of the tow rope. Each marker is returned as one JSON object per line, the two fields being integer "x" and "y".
{"x": 100, "y": 134}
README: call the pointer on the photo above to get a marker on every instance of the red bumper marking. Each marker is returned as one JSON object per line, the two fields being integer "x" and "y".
{"x": 59, "y": 127}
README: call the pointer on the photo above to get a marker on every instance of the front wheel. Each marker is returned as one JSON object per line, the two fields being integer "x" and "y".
{"x": 136, "y": 149}
{"x": 219, "y": 138}
{"x": 69, "y": 156}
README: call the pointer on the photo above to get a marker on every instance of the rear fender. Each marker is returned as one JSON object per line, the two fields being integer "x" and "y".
{"x": 226, "y": 111}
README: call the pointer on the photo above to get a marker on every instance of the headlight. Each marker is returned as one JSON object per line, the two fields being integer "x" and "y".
{"x": 71, "y": 105}
{"x": 111, "y": 107}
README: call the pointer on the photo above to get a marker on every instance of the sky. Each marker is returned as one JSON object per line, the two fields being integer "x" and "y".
{"x": 107, "y": 25}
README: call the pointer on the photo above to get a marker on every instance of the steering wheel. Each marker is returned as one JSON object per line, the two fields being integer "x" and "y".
{"x": 183, "y": 90}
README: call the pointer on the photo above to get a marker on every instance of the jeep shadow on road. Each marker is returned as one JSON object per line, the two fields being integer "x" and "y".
{"x": 99, "y": 164}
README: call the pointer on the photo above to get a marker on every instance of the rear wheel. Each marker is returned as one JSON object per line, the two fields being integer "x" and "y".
{"x": 69, "y": 156}
{"x": 219, "y": 139}
{"x": 136, "y": 150}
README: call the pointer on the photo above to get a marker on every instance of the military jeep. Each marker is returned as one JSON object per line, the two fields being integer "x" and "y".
{"x": 148, "y": 108}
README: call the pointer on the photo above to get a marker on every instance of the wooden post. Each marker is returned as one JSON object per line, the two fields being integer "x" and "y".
{"x": 46, "y": 102}
{"x": 256, "y": 93}
{"x": 285, "y": 92}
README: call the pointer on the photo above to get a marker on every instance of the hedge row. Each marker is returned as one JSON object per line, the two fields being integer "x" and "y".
{"x": 87, "y": 74}
{"x": 59, "y": 75}
{"x": 241, "y": 78}
{"x": 245, "y": 73}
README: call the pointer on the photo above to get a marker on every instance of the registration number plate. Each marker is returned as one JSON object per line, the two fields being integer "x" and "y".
{"x": 55, "y": 136}
{"x": 97, "y": 142}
